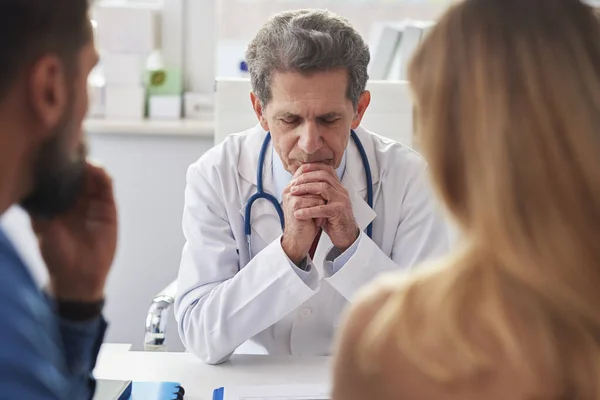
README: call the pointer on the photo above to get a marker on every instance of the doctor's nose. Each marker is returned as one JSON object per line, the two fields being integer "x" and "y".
{"x": 310, "y": 140}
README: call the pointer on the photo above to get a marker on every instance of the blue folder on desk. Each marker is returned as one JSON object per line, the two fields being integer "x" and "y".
{"x": 218, "y": 394}
{"x": 127, "y": 390}
{"x": 157, "y": 391}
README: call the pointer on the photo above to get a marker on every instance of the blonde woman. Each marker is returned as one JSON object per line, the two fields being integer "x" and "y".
{"x": 508, "y": 101}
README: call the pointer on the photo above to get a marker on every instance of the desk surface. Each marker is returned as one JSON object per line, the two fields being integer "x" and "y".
{"x": 200, "y": 379}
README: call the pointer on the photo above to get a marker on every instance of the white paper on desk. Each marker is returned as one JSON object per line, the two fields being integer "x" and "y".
{"x": 284, "y": 392}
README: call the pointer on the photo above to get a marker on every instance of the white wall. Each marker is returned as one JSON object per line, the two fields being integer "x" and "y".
{"x": 149, "y": 174}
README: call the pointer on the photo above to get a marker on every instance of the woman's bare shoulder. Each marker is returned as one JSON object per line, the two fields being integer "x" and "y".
{"x": 351, "y": 381}
{"x": 396, "y": 375}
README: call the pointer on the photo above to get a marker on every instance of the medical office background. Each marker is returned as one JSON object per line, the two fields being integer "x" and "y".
{"x": 147, "y": 148}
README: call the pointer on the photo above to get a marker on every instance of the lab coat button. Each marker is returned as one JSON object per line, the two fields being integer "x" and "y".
{"x": 306, "y": 312}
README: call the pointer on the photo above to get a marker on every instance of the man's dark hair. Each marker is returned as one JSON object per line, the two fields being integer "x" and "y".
{"x": 30, "y": 29}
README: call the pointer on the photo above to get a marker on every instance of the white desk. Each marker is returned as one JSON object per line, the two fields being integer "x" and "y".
{"x": 199, "y": 379}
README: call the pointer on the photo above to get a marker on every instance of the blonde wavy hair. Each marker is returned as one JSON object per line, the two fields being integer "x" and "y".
{"x": 507, "y": 96}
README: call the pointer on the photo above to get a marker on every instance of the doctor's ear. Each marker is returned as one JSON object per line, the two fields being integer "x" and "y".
{"x": 363, "y": 103}
{"x": 259, "y": 111}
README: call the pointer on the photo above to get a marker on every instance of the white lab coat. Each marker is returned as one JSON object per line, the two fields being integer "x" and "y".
{"x": 225, "y": 299}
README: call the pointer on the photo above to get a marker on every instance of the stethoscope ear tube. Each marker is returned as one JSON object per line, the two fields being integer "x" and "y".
{"x": 260, "y": 193}
{"x": 367, "y": 167}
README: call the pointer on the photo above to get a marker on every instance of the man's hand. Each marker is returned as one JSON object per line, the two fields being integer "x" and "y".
{"x": 79, "y": 246}
{"x": 299, "y": 234}
{"x": 336, "y": 212}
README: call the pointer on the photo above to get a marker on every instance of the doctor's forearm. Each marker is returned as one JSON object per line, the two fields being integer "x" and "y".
{"x": 198, "y": 340}
{"x": 215, "y": 321}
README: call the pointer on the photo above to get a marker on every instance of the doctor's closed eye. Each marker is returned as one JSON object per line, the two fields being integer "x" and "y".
{"x": 329, "y": 120}
{"x": 290, "y": 120}
{"x": 325, "y": 120}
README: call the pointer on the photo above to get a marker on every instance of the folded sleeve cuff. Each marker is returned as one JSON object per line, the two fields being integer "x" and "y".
{"x": 335, "y": 259}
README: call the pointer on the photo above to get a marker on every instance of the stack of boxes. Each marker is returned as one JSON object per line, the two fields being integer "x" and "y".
{"x": 136, "y": 78}
{"x": 127, "y": 35}
{"x": 125, "y": 93}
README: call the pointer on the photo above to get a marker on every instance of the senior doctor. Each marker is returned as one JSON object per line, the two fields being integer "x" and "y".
{"x": 287, "y": 289}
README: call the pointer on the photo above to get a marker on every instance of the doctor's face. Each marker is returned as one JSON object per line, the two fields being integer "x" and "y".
{"x": 310, "y": 117}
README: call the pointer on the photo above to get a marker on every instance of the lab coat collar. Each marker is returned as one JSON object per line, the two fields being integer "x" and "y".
{"x": 355, "y": 180}
{"x": 249, "y": 152}
{"x": 264, "y": 218}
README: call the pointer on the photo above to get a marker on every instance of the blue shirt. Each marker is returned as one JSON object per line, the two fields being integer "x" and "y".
{"x": 41, "y": 355}
{"x": 335, "y": 260}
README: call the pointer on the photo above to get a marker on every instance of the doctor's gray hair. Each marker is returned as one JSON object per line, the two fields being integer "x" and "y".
{"x": 307, "y": 41}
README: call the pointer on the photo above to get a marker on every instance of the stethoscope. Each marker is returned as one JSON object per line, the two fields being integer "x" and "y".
{"x": 261, "y": 194}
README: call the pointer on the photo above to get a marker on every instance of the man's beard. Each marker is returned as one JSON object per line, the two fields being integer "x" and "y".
{"x": 58, "y": 176}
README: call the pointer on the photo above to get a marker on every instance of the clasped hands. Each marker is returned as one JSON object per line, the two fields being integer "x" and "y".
{"x": 316, "y": 199}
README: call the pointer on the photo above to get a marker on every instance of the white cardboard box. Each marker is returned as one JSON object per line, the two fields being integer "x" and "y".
{"x": 124, "y": 102}
{"x": 127, "y": 28}
{"x": 198, "y": 105}
{"x": 164, "y": 107}
{"x": 123, "y": 68}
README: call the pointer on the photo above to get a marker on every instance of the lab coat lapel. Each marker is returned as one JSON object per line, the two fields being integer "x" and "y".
{"x": 355, "y": 181}
{"x": 264, "y": 219}
{"x": 363, "y": 214}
